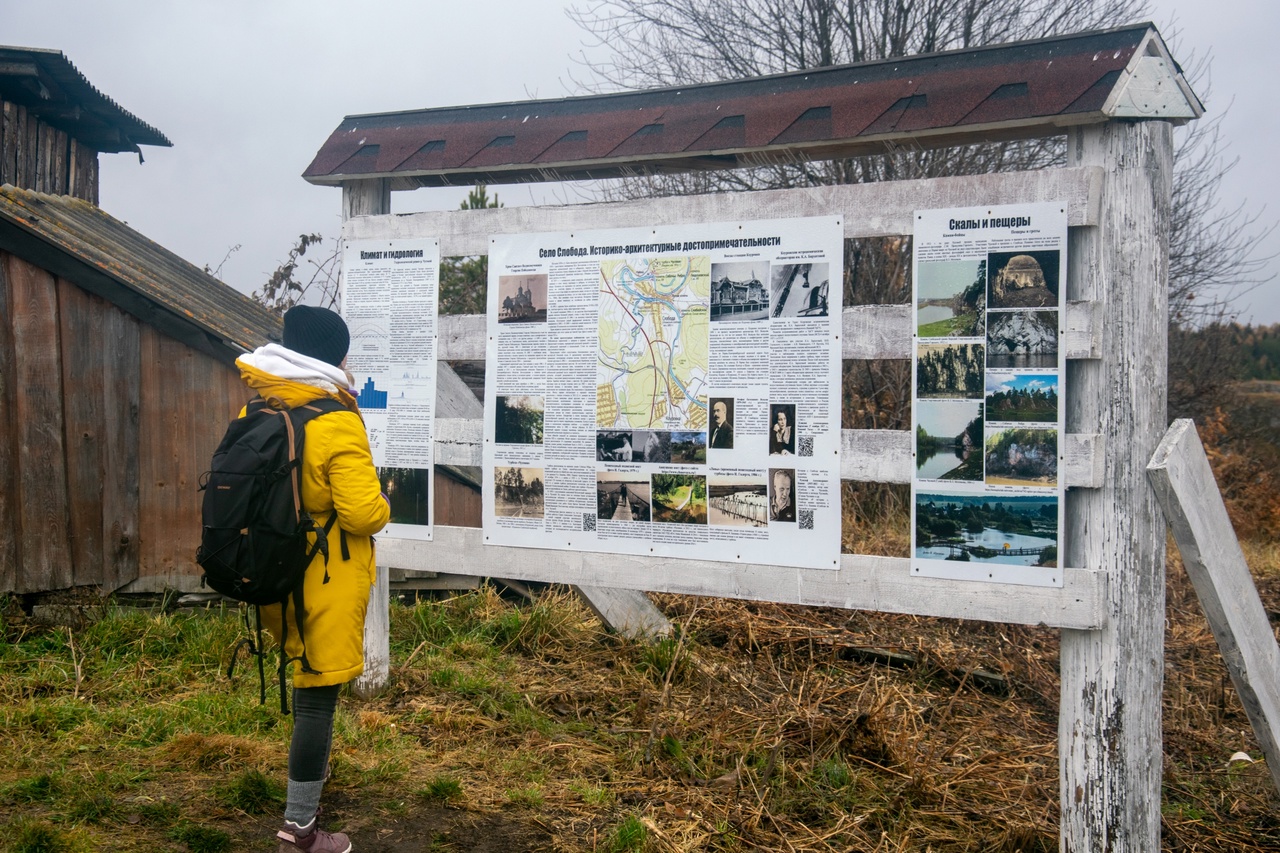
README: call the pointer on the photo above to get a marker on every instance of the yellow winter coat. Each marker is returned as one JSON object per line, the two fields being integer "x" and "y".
{"x": 337, "y": 474}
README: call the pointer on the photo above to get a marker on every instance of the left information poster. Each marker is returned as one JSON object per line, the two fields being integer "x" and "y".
{"x": 669, "y": 391}
{"x": 389, "y": 290}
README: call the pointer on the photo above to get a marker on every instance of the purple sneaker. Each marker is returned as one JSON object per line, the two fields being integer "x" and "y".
{"x": 312, "y": 838}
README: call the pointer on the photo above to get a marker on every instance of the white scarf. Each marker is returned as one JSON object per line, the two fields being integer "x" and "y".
{"x": 296, "y": 367}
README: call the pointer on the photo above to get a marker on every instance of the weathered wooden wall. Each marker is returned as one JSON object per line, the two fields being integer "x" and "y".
{"x": 107, "y": 425}
{"x": 36, "y": 156}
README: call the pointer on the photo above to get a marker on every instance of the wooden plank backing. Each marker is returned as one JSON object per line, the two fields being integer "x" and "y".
{"x": 80, "y": 317}
{"x": 861, "y": 582}
{"x": 868, "y": 332}
{"x": 121, "y": 382}
{"x": 1188, "y": 494}
{"x": 871, "y": 210}
{"x": 37, "y": 415}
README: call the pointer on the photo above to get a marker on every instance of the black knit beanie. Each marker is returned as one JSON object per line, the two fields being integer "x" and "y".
{"x": 316, "y": 332}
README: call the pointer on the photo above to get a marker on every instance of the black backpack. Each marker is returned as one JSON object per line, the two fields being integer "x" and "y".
{"x": 254, "y": 543}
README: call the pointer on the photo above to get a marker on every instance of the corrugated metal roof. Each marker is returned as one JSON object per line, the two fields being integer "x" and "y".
{"x": 1008, "y": 91}
{"x": 78, "y": 241}
{"x": 47, "y": 84}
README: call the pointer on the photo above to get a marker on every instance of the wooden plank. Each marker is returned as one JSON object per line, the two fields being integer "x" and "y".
{"x": 868, "y": 332}
{"x": 628, "y": 612}
{"x": 92, "y": 189}
{"x": 866, "y": 455}
{"x": 121, "y": 383}
{"x": 10, "y": 507}
{"x": 1211, "y": 554}
{"x": 21, "y": 177}
{"x": 861, "y": 582}
{"x": 58, "y": 169}
{"x": 365, "y": 198}
{"x": 377, "y": 635}
{"x": 9, "y": 143}
{"x": 83, "y": 353}
{"x": 37, "y": 414}
{"x": 872, "y": 210}
{"x": 152, "y": 429}
{"x": 1109, "y": 725}
{"x": 31, "y": 152}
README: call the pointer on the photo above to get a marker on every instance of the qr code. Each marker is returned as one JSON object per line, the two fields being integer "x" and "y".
{"x": 806, "y": 445}
{"x": 589, "y": 522}
{"x": 806, "y": 519}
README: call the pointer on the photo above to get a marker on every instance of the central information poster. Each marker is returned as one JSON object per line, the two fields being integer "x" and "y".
{"x": 667, "y": 391}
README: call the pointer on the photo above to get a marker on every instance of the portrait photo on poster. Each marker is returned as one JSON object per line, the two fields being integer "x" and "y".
{"x": 782, "y": 429}
{"x": 782, "y": 494}
{"x": 720, "y": 436}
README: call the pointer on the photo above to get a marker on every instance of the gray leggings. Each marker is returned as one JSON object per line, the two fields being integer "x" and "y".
{"x": 313, "y": 709}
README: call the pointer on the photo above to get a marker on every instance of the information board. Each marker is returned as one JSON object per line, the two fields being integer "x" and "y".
{"x": 987, "y": 413}
{"x": 667, "y": 391}
{"x": 389, "y": 292}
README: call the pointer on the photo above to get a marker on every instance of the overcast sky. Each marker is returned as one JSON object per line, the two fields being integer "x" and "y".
{"x": 249, "y": 90}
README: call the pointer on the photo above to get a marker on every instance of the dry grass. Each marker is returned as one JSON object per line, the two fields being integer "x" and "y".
{"x": 762, "y": 727}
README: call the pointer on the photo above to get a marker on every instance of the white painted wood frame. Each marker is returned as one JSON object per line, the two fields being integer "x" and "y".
{"x": 1117, "y": 192}
{"x": 1109, "y": 721}
{"x": 1211, "y": 554}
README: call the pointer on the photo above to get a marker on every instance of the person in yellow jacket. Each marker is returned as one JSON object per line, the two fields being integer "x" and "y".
{"x": 337, "y": 476}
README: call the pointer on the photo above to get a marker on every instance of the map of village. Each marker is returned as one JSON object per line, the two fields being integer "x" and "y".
{"x": 652, "y": 370}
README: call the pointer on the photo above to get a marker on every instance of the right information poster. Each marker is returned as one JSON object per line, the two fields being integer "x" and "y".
{"x": 987, "y": 409}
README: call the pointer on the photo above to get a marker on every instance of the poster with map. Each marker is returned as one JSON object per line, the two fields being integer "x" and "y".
{"x": 389, "y": 303}
{"x": 987, "y": 413}
{"x": 669, "y": 391}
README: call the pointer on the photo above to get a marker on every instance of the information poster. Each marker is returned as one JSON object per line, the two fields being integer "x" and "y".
{"x": 671, "y": 391}
{"x": 987, "y": 413}
{"x": 389, "y": 302}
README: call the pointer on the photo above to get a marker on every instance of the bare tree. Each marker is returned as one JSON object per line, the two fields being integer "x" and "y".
{"x": 651, "y": 43}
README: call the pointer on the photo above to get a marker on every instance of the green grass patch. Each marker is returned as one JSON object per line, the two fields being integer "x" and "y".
{"x": 444, "y": 789}
{"x": 252, "y": 792}
{"x": 628, "y": 836}
{"x": 26, "y": 835}
{"x": 201, "y": 839}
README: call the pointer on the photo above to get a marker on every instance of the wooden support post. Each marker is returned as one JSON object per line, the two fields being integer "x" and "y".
{"x": 1109, "y": 730}
{"x": 369, "y": 197}
{"x": 1211, "y": 554}
{"x": 372, "y": 197}
{"x": 628, "y": 612}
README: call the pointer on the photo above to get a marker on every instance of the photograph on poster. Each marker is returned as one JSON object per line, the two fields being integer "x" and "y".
{"x": 518, "y": 420}
{"x": 622, "y": 497}
{"x": 782, "y": 429}
{"x": 688, "y": 448}
{"x": 949, "y": 435}
{"x": 1022, "y": 279}
{"x": 1010, "y": 529}
{"x": 782, "y": 494}
{"x": 1022, "y": 339}
{"x": 522, "y": 298}
{"x": 518, "y": 492}
{"x": 407, "y": 490}
{"x": 1022, "y": 397}
{"x": 1022, "y": 457}
{"x": 949, "y": 299}
{"x": 949, "y": 371}
{"x": 800, "y": 290}
{"x": 720, "y": 436}
{"x": 680, "y": 498}
{"x": 739, "y": 292}
{"x": 737, "y": 501}
{"x": 634, "y": 445}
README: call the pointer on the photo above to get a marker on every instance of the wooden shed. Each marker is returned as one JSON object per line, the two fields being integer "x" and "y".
{"x": 117, "y": 380}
